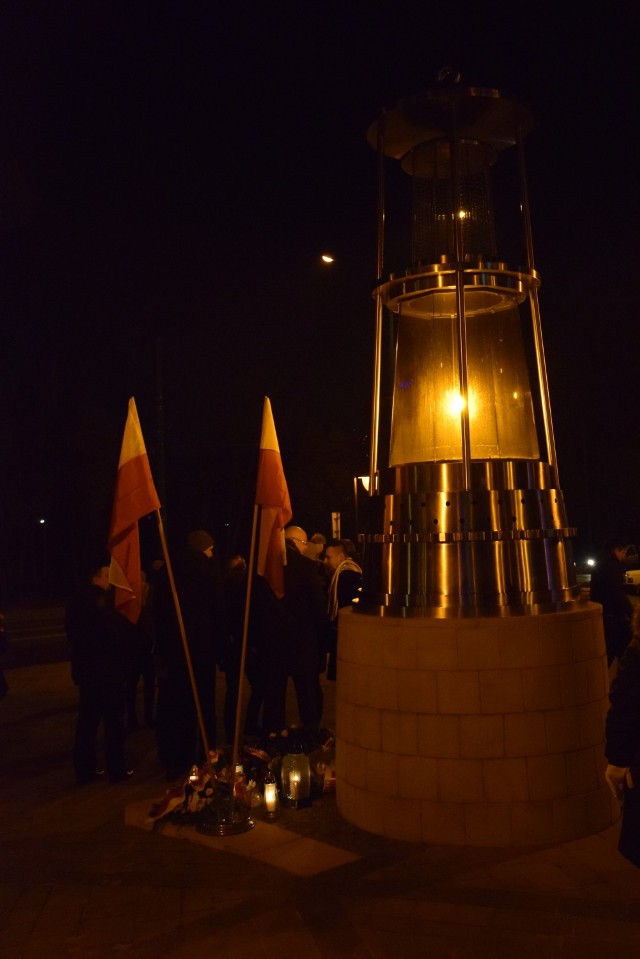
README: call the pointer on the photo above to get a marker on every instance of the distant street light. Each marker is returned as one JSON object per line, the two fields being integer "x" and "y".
{"x": 41, "y": 576}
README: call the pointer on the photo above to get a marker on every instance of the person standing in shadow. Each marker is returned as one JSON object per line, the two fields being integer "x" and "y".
{"x": 304, "y": 605}
{"x": 346, "y": 580}
{"x": 143, "y": 664}
{"x": 4, "y": 646}
{"x": 265, "y": 660}
{"x": 235, "y": 592}
{"x": 622, "y": 744}
{"x": 199, "y": 589}
{"x": 100, "y": 640}
{"x": 608, "y": 589}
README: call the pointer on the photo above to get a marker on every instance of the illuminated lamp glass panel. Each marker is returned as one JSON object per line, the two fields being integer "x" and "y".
{"x": 427, "y": 402}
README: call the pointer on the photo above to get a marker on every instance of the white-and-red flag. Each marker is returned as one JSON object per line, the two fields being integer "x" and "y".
{"x": 135, "y": 497}
{"x": 272, "y": 496}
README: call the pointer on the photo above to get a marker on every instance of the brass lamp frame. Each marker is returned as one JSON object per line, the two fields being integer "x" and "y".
{"x": 463, "y": 536}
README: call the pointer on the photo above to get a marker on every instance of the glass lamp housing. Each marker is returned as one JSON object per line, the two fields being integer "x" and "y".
{"x": 427, "y": 398}
{"x": 465, "y": 514}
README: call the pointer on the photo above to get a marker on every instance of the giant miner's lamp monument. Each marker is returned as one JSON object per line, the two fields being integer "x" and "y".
{"x": 472, "y": 678}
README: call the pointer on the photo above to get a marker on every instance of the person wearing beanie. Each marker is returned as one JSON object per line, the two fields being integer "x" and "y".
{"x": 201, "y": 542}
{"x": 199, "y": 590}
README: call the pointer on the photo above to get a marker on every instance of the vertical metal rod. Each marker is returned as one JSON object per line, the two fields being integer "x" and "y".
{"x": 375, "y": 407}
{"x": 377, "y": 359}
{"x": 460, "y": 310}
{"x": 535, "y": 318}
{"x": 544, "y": 386}
{"x": 524, "y": 195}
{"x": 381, "y": 209}
{"x": 355, "y": 508}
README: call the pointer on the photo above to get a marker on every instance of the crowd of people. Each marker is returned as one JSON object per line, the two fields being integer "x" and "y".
{"x": 192, "y": 626}
{"x": 204, "y": 621}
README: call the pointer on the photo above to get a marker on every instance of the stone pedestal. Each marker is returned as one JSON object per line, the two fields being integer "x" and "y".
{"x": 479, "y": 732}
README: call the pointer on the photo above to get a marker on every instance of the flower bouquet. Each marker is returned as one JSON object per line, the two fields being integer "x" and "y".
{"x": 216, "y": 799}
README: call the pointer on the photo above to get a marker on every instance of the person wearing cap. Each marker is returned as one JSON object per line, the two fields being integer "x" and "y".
{"x": 199, "y": 592}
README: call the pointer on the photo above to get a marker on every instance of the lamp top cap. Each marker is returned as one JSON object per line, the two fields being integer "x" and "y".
{"x": 446, "y": 109}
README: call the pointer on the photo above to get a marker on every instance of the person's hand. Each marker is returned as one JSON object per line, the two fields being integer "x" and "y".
{"x": 617, "y": 777}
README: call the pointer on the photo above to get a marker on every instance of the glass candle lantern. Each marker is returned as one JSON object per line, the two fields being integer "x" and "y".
{"x": 270, "y": 795}
{"x": 295, "y": 775}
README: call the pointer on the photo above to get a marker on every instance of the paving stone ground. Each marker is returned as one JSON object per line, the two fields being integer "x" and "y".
{"x": 81, "y": 877}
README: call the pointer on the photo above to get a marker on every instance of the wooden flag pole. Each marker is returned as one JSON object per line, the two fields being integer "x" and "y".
{"x": 185, "y": 646}
{"x": 243, "y": 651}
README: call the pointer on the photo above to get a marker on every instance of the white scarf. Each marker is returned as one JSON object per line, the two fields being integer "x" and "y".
{"x": 332, "y": 605}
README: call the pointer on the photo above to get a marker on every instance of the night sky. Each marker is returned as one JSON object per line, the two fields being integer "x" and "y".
{"x": 171, "y": 173}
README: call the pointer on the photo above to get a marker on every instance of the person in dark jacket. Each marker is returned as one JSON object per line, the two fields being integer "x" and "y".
{"x": 622, "y": 744}
{"x": 100, "y": 641}
{"x": 4, "y": 645}
{"x": 142, "y": 663}
{"x": 265, "y": 660}
{"x": 305, "y": 605}
{"x": 287, "y": 637}
{"x": 346, "y": 580}
{"x": 199, "y": 590}
{"x": 608, "y": 589}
